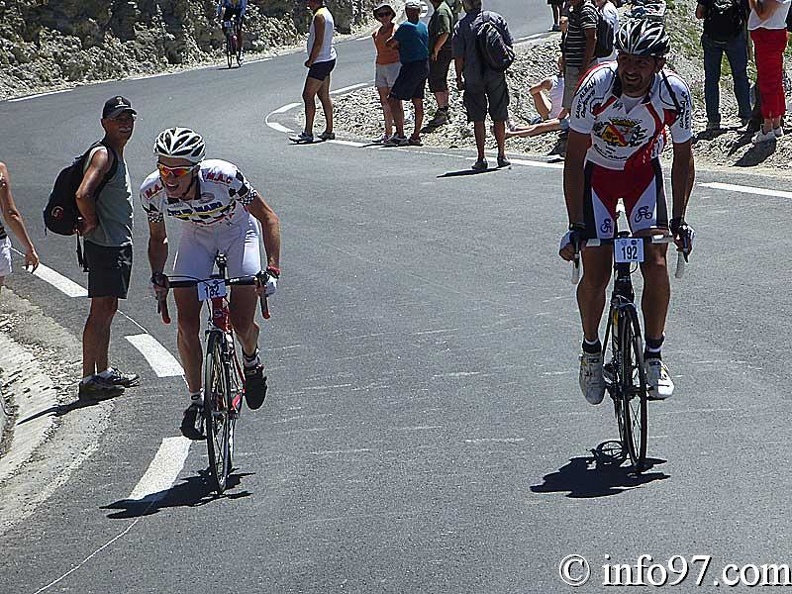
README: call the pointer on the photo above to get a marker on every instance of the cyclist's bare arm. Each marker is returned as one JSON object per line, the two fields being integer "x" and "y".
{"x": 683, "y": 175}
{"x": 157, "y": 246}
{"x": 270, "y": 227}
{"x": 86, "y": 201}
{"x": 577, "y": 145}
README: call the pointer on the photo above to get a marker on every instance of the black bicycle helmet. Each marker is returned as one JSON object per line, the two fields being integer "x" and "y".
{"x": 181, "y": 143}
{"x": 643, "y": 37}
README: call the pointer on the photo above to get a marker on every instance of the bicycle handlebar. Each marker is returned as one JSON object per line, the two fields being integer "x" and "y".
{"x": 162, "y": 304}
{"x": 653, "y": 239}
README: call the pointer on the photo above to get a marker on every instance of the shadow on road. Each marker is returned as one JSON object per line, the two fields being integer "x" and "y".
{"x": 193, "y": 491}
{"x": 467, "y": 171}
{"x": 62, "y": 409}
{"x": 584, "y": 477}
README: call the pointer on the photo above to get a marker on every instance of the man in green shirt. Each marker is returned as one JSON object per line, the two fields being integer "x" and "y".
{"x": 441, "y": 27}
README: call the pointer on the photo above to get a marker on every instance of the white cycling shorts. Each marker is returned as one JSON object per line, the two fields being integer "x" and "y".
{"x": 5, "y": 257}
{"x": 198, "y": 245}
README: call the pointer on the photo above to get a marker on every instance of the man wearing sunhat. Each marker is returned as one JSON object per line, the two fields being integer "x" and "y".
{"x": 105, "y": 202}
{"x": 412, "y": 40}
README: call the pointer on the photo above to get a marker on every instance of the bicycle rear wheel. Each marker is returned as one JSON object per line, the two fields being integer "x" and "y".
{"x": 216, "y": 411}
{"x": 632, "y": 377}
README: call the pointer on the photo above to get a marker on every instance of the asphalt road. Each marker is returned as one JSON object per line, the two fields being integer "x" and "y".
{"x": 424, "y": 430}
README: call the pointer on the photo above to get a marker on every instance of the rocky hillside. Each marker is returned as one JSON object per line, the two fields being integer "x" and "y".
{"x": 55, "y": 43}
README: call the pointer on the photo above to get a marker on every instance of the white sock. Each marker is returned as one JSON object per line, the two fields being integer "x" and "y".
{"x": 106, "y": 373}
{"x": 86, "y": 379}
{"x": 252, "y": 361}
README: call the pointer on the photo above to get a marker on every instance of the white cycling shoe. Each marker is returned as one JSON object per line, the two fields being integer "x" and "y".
{"x": 592, "y": 383}
{"x": 658, "y": 381}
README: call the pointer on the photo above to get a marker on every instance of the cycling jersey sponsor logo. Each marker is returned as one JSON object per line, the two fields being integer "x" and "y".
{"x": 621, "y": 132}
{"x": 155, "y": 189}
{"x": 219, "y": 176}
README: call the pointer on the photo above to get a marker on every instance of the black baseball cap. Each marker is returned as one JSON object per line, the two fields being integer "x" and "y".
{"x": 115, "y": 106}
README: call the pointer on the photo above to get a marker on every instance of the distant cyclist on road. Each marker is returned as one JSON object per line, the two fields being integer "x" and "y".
{"x": 617, "y": 131}
{"x": 219, "y": 211}
{"x": 232, "y": 10}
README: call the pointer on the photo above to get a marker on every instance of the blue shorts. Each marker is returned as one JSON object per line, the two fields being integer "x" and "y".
{"x": 411, "y": 81}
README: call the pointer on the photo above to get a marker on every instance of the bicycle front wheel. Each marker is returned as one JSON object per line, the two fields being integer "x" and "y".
{"x": 216, "y": 411}
{"x": 632, "y": 377}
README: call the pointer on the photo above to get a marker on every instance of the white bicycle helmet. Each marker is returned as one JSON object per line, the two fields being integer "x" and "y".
{"x": 180, "y": 143}
{"x": 643, "y": 37}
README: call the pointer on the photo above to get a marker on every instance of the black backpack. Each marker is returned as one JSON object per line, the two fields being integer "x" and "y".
{"x": 725, "y": 19}
{"x": 61, "y": 214}
{"x": 492, "y": 49}
{"x": 605, "y": 33}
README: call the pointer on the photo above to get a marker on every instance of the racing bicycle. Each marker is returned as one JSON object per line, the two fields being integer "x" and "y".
{"x": 223, "y": 385}
{"x": 233, "y": 44}
{"x": 624, "y": 372}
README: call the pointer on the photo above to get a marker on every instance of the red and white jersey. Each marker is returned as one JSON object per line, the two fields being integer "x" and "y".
{"x": 632, "y": 135}
{"x": 224, "y": 193}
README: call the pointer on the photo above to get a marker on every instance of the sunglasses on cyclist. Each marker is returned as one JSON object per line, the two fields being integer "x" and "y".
{"x": 175, "y": 171}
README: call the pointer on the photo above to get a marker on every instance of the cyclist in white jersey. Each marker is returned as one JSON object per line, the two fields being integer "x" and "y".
{"x": 218, "y": 210}
{"x": 618, "y": 123}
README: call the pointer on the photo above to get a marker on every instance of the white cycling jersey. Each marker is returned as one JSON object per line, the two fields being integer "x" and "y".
{"x": 626, "y": 136}
{"x": 224, "y": 192}
{"x": 216, "y": 221}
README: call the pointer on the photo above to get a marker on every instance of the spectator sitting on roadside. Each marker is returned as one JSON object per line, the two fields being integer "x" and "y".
{"x": 13, "y": 219}
{"x": 547, "y": 96}
{"x": 387, "y": 64}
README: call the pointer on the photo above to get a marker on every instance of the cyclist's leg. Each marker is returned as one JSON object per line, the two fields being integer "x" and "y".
{"x": 599, "y": 211}
{"x": 189, "y": 340}
{"x": 242, "y": 305}
{"x": 648, "y": 214}
{"x": 242, "y": 249}
{"x": 194, "y": 259}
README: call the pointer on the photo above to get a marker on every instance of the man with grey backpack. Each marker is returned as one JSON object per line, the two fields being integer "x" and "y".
{"x": 482, "y": 46}
{"x": 725, "y": 33}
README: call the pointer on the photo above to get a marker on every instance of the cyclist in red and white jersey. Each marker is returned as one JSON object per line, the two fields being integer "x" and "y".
{"x": 219, "y": 211}
{"x": 618, "y": 124}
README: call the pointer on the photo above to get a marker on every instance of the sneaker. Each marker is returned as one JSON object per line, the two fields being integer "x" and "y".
{"x": 480, "y": 165}
{"x": 327, "y": 135}
{"x": 255, "y": 386}
{"x": 414, "y": 141}
{"x": 302, "y": 138}
{"x": 658, "y": 381}
{"x": 396, "y": 140}
{"x": 119, "y": 378}
{"x": 99, "y": 388}
{"x": 192, "y": 425}
{"x": 778, "y": 132}
{"x": 440, "y": 118}
{"x": 713, "y": 126}
{"x": 762, "y": 137}
{"x": 381, "y": 139}
{"x": 503, "y": 162}
{"x": 592, "y": 383}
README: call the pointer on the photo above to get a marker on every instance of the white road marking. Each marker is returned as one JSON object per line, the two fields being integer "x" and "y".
{"x": 537, "y": 164}
{"x": 496, "y": 440}
{"x": 60, "y": 282}
{"x": 746, "y": 189}
{"x": 278, "y": 128}
{"x": 159, "y": 358}
{"x": 349, "y": 88}
{"x": 38, "y": 95}
{"x": 286, "y": 108}
{"x": 163, "y": 470}
{"x": 348, "y": 143}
